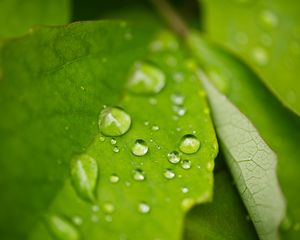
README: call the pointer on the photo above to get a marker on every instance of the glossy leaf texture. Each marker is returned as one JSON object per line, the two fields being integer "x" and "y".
{"x": 18, "y": 16}
{"x": 265, "y": 34}
{"x": 278, "y": 127}
{"x": 145, "y": 180}
{"x": 54, "y": 83}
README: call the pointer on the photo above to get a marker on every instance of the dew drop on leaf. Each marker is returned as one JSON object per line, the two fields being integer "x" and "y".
{"x": 189, "y": 144}
{"x": 260, "y": 56}
{"x": 77, "y": 220}
{"x": 146, "y": 79}
{"x": 174, "y": 157}
{"x": 186, "y": 164}
{"x": 140, "y": 148}
{"x": 138, "y": 175}
{"x": 169, "y": 174}
{"x": 116, "y": 149}
{"x": 155, "y": 128}
{"x": 114, "y": 121}
{"x": 84, "y": 173}
{"x": 108, "y": 207}
{"x": 177, "y": 99}
{"x": 113, "y": 141}
{"x": 62, "y": 229}
{"x": 268, "y": 19}
{"x": 184, "y": 189}
{"x": 114, "y": 178}
{"x": 144, "y": 208}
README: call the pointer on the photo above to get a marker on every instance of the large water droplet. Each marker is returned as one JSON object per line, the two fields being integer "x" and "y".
{"x": 62, "y": 229}
{"x": 84, "y": 173}
{"x": 146, "y": 79}
{"x": 114, "y": 121}
{"x": 169, "y": 174}
{"x": 186, "y": 164}
{"x": 189, "y": 144}
{"x": 174, "y": 157}
{"x": 144, "y": 208}
{"x": 268, "y": 19}
{"x": 138, "y": 175}
{"x": 140, "y": 148}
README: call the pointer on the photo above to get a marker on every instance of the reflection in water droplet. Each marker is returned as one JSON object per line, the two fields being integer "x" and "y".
{"x": 174, "y": 157}
{"x": 177, "y": 99}
{"x": 169, "y": 174}
{"x": 260, "y": 56}
{"x": 114, "y": 121}
{"x": 114, "y": 178}
{"x": 146, "y": 79}
{"x": 184, "y": 189}
{"x": 116, "y": 149}
{"x": 84, "y": 173}
{"x": 189, "y": 144}
{"x": 144, "y": 208}
{"x": 268, "y": 19}
{"x": 138, "y": 175}
{"x": 108, "y": 207}
{"x": 140, "y": 148}
{"x": 186, "y": 164}
{"x": 62, "y": 229}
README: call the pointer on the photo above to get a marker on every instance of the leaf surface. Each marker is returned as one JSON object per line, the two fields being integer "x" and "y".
{"x": 266, "y": 34}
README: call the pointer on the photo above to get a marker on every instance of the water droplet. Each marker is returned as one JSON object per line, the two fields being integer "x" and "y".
{"x": 260, "y": 56}
{"x": 146, "y": 123}
{"x": 116, "y": 149}
{"x": 177, "y": 99}
{"x": 102, "y": 139}
{"x": 113, "y": 141}
{"x": 140, "y": 148}
{"x": 174, "y": 157}
{"x": 165, "y": 41}
{"x": 128, "y": 36}
{"x": 155, "y": 128}
{"x": 184, "y": 189}
{"x": 144, "y": 208}
{"x": 187, "y": 203}
{"x": 186, "y": 164}
{"x": 84, "y": 173}
{"x": 210, "y": 166}
{"x": 114, "y": 121}
{"x": 179, "y": 110}
{"x": 138, "y": 175}
{"x": 153, "y": 101}
{"x": 108, "y": 218}
{"x": 268, "y": 19}
{"x": 77, "y": 220}
{"x": 146, "y": 79}
{"x": 95, "y": 208}
{"x": 189, "y": 144}
{"x": 114, "y": 178}
{"x": 178, "y": 77}
{"x": 169, "y": 174}
{"x": 62, "y": 229}
{"x": 108, "y": 207}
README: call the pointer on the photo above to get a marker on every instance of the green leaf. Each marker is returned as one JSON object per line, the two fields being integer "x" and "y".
{"x": 277, "y": 126}
{"x": 251, "y": 161}
{"x": 52, "y": 98}
{"x": 143, "y": 185}
{"x": 55, "y": 81}
{"x": 17, "y": 16}
{"x": 266, "y": 34}
{"x": 224, "y": 218}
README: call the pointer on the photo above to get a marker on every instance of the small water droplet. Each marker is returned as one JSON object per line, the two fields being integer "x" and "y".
{"x": 189, "y": 144}
{"x": 146, "y": 79}
{"x": 165, "y": 41}
{"x": 179, "y": 110}
{"x": 260, "y": 56}
{"x": 144, "y": 208}
{"x": 138, "y": 175}
{"x": 108, "y": 207}
{"x": 84, "y": 173}
{"x": 113, "y": 141}
{"x": 178, "y": 129}
{"x": 146, "y": 123}
{"x": 95, "y": 208}
{"x": 184, "y": 189}
{"x": 114, "y": 121}
{"x": 177, "y": 99}
{"x": 114, "y": 178}
{"x": 178, "y": 77}
{"x": 155, "y": 128}
{"x": 169, "y": 174}
{"x": 153, "y": 101}
{"x": 186, "y": 164}
{"x": 174, "y": 157}
{"x": 140, "y": 148}
{"x": 116, "y": 149}
{"x": 210, "y": 166}
{"x": 62, "y": 229}
{"x": 268, "y": 19}
{"x": 108, "y": 218}
{"x": 102, "y": 139}
{"x": 77, "y": 220}
{"x": 187, "y": 203}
